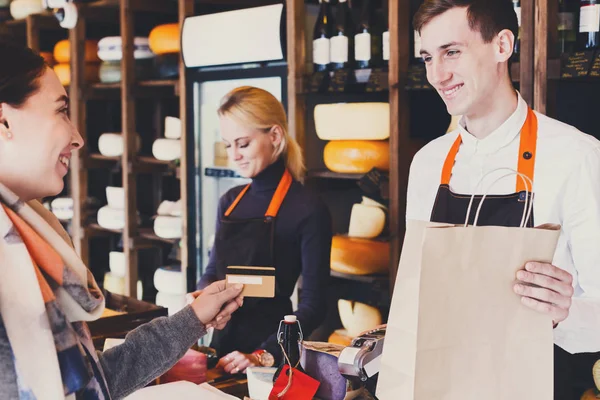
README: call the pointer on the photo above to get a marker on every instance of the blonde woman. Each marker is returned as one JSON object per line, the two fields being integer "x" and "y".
{"x": 274, "y": 221}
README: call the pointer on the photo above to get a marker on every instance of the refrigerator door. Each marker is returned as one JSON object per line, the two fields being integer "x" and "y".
{"x": 215, "y": 175}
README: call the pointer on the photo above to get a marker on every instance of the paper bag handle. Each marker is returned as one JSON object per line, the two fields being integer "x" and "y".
{"x": 528, "y": 207}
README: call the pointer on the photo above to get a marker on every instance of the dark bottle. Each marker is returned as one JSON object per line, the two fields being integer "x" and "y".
{"x": 517, "y": 48}
{"x": 321, "y": 38}
{"x": 589, "y": 25}
{"x": 567, "y": 28}
{"x": 290, "y": 337}
{"x": 385, "y": 36}
{"x": 367, "y": 47}
{"x": 341, "y": 44}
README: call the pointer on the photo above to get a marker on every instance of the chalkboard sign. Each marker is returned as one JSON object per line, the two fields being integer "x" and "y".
{"x": 317, "y": 82}
{"x": 576, "y": 65}
{"x": 378, "y": 81}
{"x": 339, "y": 80}
{"x": 595, "y": 72}
{"x": 417, "y": 78}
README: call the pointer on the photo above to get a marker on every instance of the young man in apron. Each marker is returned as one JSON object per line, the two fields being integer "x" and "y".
{"x": 466, "y": 46}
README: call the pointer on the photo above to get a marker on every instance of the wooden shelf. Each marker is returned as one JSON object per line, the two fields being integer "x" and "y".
{"x": 148, "y": 233}
{"x": 147, "y": 164}
{"x": 361, "y": 278}
{"x": 143, "y": 89}
{"x": 45, "y": 20}
{"x": 159, "y": 7}
{"x": 99, "y": 161}
{"x": 95, "y": 229}
{"x": 332, "y": 175}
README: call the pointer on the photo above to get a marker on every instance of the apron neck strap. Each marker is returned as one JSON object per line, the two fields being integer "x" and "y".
{"x": 527, "y": 150}
{"x": 278, "y": 196}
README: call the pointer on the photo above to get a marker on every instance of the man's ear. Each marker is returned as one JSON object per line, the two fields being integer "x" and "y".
{"x": 5, "y": 133}
{"x": 505, "y": 45}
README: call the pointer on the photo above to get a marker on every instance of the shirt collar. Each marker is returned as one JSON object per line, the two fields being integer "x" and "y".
{"x": 499, "y": 138}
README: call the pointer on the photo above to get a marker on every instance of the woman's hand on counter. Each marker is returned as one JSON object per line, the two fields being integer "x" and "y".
{"x": 546, "y": 289}
{"x": 215, "y": 304}
{"x": 236, "y": 362}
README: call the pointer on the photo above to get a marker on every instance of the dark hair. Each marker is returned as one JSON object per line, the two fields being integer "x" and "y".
{"x": 20, "y": 70}
{"x": 488, "y": 17}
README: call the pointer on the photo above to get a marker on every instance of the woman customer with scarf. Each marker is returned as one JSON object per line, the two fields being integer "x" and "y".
{"x": 46, "y": 292}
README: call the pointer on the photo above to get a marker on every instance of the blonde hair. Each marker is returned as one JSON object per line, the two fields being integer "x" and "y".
{"x": 261, "y": 110}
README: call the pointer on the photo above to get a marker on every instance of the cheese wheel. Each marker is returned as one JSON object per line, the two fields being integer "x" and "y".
{"x": 116, "y": 284}
{"x": 48, "y": 57}
{"x": 358, "y": 317}
{"x": 172, "y": 302}
{"x": 110, "y": 48}
{"x": 359, "y": 256}
{"x": 596, "y": 374}
{"x": 116, "y": 263}
{"x": 62, "y": 51}
{"x": 111, "y": 144}
{"x": 366, "y": 221}
{"x": 166, "y": 149}
{"x": 165, "y": 39}
{"x": 22, "y": 8}
{"x": 372, "y": 203}
{"x": 169, "y": 280}
{"x": 172, "y": 128}
{"x": 111, "y": 218}
{"x": 340, "y": 337}
{"x": 62, "y": 208}
{"x": 357, "y": 156}
{"x": 172, "y": 208}
{"x": 115, "y": 197}
{"x": 168, "y": 227}
{"x": 63, "y": 71}
{"x": 352, "y": 121}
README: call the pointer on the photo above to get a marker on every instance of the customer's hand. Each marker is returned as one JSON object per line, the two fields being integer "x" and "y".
{"x": 215, "y": 304}
{"x": 546, "y": 289}
{"x": 237, "y": 362}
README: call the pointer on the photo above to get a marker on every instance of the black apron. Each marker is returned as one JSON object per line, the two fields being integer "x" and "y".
{"x": 250, "y": 242}
{"x": 572, "y": 373}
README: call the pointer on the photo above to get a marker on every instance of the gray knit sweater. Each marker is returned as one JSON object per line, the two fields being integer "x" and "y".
{"x": 148, "y": 351}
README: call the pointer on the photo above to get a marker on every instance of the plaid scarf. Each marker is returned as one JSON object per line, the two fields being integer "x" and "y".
{"x": 45, "y": 295}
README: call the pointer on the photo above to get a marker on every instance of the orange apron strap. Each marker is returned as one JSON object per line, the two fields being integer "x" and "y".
{"x": 449, "y": 163}
{"x": 237, "y": 200}
{"x": 282, "y": 189}
{"x": 527, "y": 150}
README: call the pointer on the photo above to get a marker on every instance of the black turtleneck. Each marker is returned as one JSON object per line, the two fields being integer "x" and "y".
{"x": 303, "y": 234}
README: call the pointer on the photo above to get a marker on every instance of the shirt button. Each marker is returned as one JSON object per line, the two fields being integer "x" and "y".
{"x": 527, "y": 155}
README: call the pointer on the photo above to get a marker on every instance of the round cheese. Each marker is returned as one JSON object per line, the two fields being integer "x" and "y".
{"x": 22, "y": 8}
{"x": 168, "y": 227}
{"x": 357, "y": 156}
{"x": 165, "y": 39}
{"x": 116, "y": 284}
{"x": 110, "y": 72}
{"x": 166, "y": 149}
{"x": 48, "y": 57}
{"x": 359, "y": 256}
{"x": 596, "y": 374}
{"x": 366, "y": 221}
{"x": 62, "y": 51}
{"x": 173, "y": 302}
{"x": 110, "y": 48}
{"x": 111, "y": 218}
{"x": 115, "y": 197}
{"x": 372, "y": 203}
{"x": 111, "y": 144}
{"x": 169, "y": 280}
{"x": 63, "y": 71}
{"x": 358, "y": 317}
{"x": 352, "y": 121}
{"x": 116, "y": 263}
{"x": 172, "y": 128}
{"x": 62, "y": 208}
{"x": 340, "y": 337}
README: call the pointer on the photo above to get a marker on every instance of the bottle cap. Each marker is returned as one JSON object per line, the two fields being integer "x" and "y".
{"x": 290, "y": 319}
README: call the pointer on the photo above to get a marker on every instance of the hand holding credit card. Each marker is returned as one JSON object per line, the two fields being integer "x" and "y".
{"x": 257, "y": 281}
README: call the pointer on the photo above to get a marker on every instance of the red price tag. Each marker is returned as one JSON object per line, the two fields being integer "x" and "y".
{"x": 303, "y": 387}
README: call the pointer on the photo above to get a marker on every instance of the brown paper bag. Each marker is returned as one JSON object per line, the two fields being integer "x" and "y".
{"x": 456, "y": 329}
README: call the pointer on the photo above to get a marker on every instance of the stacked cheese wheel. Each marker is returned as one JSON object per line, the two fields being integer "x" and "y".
{"x": 22, "y": 8}
{"x": 169, "y": 282}
{"x": 114, "y": 281}
{"x": 110, "y": 51}
{"x": 165, "y": 43}
{"x": 358, "y": 136}
{"x": 169, "y": 148}
{"x": 356, "y": 318}
{"x": 62, "y": 57}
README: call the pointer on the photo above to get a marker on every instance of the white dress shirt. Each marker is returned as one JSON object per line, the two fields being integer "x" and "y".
{"x": 567, "y": 192}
